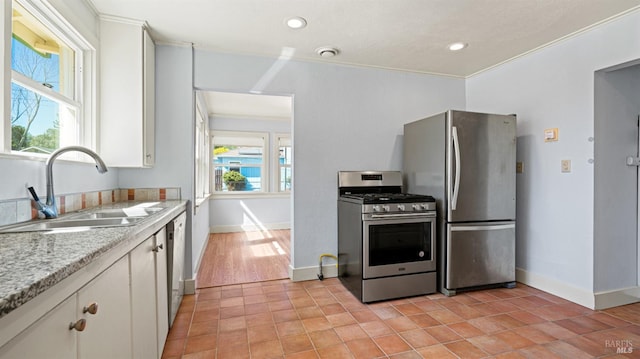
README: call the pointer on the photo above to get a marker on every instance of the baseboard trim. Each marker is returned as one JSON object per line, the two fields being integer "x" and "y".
{"x": 190, "y": 286}
{"x": 200, "y": 257}
{"x": 311, "y": 273}
{"x": 556, "y": 287}
{"x": 618, "y": 297}
{"x": 249, "y": 227}
{"x": 192, "y": 282}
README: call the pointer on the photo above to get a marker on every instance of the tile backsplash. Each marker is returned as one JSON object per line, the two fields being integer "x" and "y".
{"x": 23, "y": 209}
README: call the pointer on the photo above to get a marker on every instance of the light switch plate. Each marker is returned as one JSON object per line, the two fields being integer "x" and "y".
{"x": 565, "y": 166}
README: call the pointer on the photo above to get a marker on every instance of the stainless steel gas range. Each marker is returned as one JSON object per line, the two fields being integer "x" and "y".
{"x": 386, "y": 238}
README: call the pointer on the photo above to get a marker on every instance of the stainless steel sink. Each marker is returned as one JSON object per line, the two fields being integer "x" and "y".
{"x": 130, "y": 212}
{"x": 72, "y": 223}
{"x": 107, "y": 217}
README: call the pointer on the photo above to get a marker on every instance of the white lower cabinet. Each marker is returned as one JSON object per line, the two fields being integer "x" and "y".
{"x": 49, "y": 337}
{"x": 120, "y": 313}
{"x": 149, "y": 296}
{"x": 162, "y": 294}
{"x": 70, "y": 330}
{"x": 108, "y": 331}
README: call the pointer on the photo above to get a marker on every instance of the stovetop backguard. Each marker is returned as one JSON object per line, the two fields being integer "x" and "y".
{"x": 358, "y": 182}
{"x": 368, "y": 198}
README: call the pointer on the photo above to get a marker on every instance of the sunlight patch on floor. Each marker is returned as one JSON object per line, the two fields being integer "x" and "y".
{"x": 266, "y": 249}
{"x": 256, "y": 235}
{"x": 278, "y": 248}
{"x": 262, "y": 250}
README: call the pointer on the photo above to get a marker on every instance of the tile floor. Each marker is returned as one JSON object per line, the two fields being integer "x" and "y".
{"x": 321, "y": 319}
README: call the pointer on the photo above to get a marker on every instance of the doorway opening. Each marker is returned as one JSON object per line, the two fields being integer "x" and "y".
{"x": 616, "y": 185}
{"x": 251, "y": 181}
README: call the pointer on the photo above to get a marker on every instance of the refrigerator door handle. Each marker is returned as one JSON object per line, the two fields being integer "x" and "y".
{"x": 483, "y": 228}
{"x": 456, "y": 181}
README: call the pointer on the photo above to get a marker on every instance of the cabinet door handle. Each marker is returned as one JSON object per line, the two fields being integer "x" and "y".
{"x": 79, "y": 325}
{"x": 91, "y": 309}
{"x": 157, "y": 248}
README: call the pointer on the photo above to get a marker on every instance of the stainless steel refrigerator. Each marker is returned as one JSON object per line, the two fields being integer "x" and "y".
{"x": 467, "y": 161}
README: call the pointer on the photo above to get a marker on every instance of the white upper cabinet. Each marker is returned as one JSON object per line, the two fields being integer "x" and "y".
{"x": 127, "y": 93}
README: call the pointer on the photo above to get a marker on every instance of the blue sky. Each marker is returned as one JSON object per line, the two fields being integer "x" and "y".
{"x": 48, "y": 110}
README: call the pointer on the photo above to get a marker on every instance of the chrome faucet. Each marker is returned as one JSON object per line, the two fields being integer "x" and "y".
{"x": 50, "y": 209}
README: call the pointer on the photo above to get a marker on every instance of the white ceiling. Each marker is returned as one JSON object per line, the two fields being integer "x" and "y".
{"x": 408, "y": 35}
{"x": 232, "y": 105}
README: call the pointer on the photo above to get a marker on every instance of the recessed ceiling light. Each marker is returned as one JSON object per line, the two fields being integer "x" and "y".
{"x": 296, "y": 22}
{"x": 456, "y": 46}
{"x": 327, "y": 51}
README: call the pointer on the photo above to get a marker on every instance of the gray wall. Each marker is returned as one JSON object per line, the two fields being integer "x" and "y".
{"x": 82, "y": 17}
{"x": 554, "y": 87}
{"x": 68, "y": 177}
{"x": 617, "y": 107}
{"x": 345, "y": 118}
{"x": 249, "y": 213}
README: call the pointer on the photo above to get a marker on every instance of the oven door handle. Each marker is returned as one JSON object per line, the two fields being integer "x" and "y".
{"x": 403, "y": 215}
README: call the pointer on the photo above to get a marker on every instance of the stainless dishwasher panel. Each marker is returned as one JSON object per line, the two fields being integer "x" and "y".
{"x": 175, "y": 264}
{"x": 480, "y": 254}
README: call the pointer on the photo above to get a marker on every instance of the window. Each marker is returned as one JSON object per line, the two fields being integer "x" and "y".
{"x": 284, "y": 163}
{"x": 245, "y": 162}
{"x": 46, "y": 81}
{"x": 202, "y": 153}
{"x": 239, "y": 161}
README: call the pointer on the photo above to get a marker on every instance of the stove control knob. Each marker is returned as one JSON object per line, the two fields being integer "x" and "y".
{"x": 416, "y": 207}
{"x": 376, "y": 208}
{"x": 424, "y": 206}
{"x": 385, "y": 208}
{"x": 401, "y": 207}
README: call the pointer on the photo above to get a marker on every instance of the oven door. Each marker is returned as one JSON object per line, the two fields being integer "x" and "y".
{"x": 396, "y": 244}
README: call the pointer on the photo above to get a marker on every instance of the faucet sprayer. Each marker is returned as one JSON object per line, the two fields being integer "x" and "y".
{"x": 50, "y": 209}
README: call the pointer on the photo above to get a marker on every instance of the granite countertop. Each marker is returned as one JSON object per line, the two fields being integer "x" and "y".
{"x": 33, "y": 262}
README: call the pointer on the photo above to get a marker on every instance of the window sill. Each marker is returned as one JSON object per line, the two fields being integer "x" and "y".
{"x": 254, "y": 195}
{"x": 201, "y": 200}
{"x": 24, "y": 156}
{"x": 28, "y": 156}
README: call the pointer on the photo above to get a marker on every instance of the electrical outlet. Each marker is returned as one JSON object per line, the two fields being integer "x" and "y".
{"x": 519, "y": 167}
{"x": 565, "y": 166}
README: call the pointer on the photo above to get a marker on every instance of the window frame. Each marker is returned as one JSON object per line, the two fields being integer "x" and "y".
{"x": 84, "y": 91}
{"x": 202, "y": 142}
{"x": 278, "y": 167}
{"x": 264, "y": 167}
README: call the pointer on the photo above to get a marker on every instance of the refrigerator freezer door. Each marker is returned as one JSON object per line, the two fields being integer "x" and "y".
{"x": 481, "y": 167}
{"x": 480, "y": 254}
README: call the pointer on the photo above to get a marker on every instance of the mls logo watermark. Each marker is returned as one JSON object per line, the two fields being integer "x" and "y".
{"x": 621, "y": 346}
